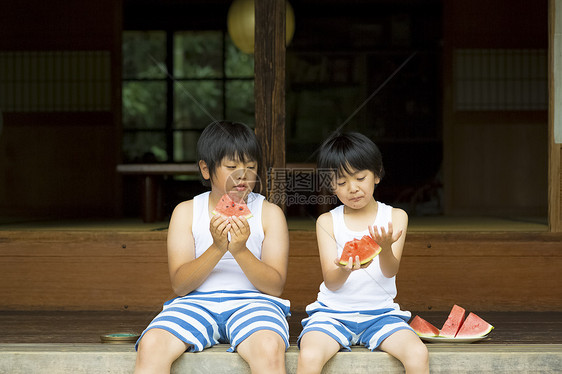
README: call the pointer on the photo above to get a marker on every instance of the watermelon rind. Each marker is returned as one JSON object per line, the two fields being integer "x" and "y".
{"x": 423, "y": 328}
{"x": 474, "y": 327}
{"x": 368, "y": 259}
{"x": 364, "y": 241}
{"x": 362, "y": 262}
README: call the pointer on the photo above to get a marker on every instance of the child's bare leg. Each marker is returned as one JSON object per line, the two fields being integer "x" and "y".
{"x": 316, "y": 348}
{"x": 407, "y": 347}
{"x": 157, "y": 350}
{"x": 264, "y": 351}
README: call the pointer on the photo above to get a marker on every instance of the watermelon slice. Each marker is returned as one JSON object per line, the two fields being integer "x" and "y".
{"x": 230, "y": 208}
{"x": 366, "y": 248}
{"x": 474, "y": 327}
{"x": 453, "y": 322}
{"x": 423, "y": 328}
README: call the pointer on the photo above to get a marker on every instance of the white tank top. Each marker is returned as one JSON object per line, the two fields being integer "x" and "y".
{"x": 227, "y": 274}
{"x": 365, "y": 289}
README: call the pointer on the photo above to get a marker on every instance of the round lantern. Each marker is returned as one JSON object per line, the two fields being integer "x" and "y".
{"x": 241, "y": 23}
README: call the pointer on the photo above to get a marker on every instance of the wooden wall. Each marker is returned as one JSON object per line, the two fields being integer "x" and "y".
{"x": 61, "y": 163}
{"x": 495, "y": 161}
{"x": 58, "y": 145}
{"x": 115, "y": 270}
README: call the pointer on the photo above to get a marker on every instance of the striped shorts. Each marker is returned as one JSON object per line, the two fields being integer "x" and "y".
{"x": 203, "y": 319}
{"x": 364, "y": 327}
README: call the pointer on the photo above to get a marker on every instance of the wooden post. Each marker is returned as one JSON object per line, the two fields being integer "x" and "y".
{"x": 555, "y": 88}
{"x": 269, "y": 91}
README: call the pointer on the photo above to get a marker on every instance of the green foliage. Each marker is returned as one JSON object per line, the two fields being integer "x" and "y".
{"x": 210, "y": 82}
{"x": 144, "y": 54}
{"x": 198, "y": 54}
{"x": 237, "y": 63}
{"x": 144, "y": 105}
{"x": 197, "y": 103}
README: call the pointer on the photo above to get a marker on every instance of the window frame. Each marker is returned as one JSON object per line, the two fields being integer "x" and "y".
{"x": 170, "y": 130}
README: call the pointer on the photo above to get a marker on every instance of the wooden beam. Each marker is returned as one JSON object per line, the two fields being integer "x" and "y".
{"x": 269, "y": 91}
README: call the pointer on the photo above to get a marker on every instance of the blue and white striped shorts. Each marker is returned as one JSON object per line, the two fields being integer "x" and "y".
{"x": 364, "y": 327}
{"x": 203, "y": 319}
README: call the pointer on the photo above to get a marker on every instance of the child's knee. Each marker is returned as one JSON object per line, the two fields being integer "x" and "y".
{"x": 158, "y": 344}
{"x": 417, "y": 355}
{"x": 151, "y": 342}
{"x": 311, "y": 359}
{"x": 263, "y": 349}
{"x": 272, "y": 345}
{"x": 308, "y": 355}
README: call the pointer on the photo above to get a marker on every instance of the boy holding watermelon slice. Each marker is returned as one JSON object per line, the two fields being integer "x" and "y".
{"x": 355, "y": 305}
{"x": 227, "y": 258}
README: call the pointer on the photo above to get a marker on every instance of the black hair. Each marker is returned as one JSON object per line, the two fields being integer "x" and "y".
{"x": 222, "y": 139}
{"x": 347, "y": 152}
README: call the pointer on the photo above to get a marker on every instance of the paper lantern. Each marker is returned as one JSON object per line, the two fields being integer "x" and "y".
{"x": 241, "y": 23}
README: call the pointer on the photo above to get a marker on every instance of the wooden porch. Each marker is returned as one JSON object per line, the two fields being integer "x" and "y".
{"x": 33, "y": 327}
{"x": 71, "y": 282}
{"x": 64, "y": 342}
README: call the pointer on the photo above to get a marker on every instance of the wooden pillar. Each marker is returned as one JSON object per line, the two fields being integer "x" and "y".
{"x": 269, "y": 90}
{"x": 554, "y": 113}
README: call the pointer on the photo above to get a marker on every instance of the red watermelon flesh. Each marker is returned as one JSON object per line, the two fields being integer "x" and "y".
{"x": 453, "y": 322}
{"x": 474, "y": 327}
{"x": 366, "y": 248}
{"x": 229, "y": 208}
{"x": 423, "y": 328}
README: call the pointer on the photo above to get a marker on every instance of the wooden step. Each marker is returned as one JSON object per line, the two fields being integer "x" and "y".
{"x": 120, "y": 359}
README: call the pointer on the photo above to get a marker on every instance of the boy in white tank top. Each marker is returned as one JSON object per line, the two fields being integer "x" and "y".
{"x": 228, "y": 272}
{"x": 355, "y": 304}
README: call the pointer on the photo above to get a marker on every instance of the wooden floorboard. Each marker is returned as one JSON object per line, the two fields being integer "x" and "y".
{"x": 88, "y": 326}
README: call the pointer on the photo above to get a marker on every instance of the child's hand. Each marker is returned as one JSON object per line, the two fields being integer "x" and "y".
{"x": 220, "y": 226}
{"x": 239, "y": 234}
{"x": 384, "y": 237}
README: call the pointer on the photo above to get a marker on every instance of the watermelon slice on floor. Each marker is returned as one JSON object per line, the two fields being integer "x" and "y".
{"x": 230, "y": 208}
{"x": 453, "y": 322}
{"x": 423, "y": 328}
{"x": 474, "y": 327}
{"x": 366, "y": 248}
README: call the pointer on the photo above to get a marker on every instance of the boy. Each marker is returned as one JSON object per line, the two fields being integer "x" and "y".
{"x": 228, "y": 272}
